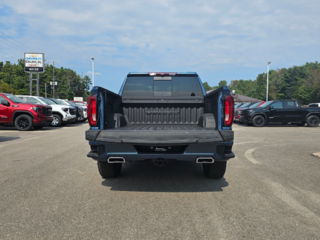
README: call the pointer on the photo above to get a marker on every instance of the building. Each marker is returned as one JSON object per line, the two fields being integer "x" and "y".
{"x": 238, "y": 98}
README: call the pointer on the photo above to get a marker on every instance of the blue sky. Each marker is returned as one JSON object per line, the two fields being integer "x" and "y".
{"x": 220, "y": 40}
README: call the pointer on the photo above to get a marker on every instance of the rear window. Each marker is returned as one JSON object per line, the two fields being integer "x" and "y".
{"x": 167, "y": 86}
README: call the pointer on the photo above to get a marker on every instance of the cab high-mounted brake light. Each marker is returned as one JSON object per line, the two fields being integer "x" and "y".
{"x": 228, "y": 111}
{"x": 162, "y": 73}
{"x": 92, "y": 110}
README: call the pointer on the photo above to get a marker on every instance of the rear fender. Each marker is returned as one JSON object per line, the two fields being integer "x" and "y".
{"x": 313, "y": 113}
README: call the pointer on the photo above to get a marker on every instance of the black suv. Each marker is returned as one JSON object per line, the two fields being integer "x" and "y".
{"x": 281, "y": 112}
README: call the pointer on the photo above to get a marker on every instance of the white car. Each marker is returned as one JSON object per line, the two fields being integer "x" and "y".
{"x": 314, "y": 105}
{"x": 62, "y": 114}
{"x": 82, "y": 109}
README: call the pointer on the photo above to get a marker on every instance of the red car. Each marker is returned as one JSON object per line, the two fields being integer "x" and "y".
{"x": 22, "y": 115}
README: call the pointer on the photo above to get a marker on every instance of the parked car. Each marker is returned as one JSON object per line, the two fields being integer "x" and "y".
{"x": 238, "y": 105}
{"x": 314, "y": 105}
{"x": 238, "y": 109}
{"x": 84, "y": 106}
{"x": 79, "y": 109}
{"x": 22, "y": 115}
{"x": 62, "y": 114}
{"x": 161, "y": 117}
{"x": 257, "y": 104}
{"x": 281, "y": 112}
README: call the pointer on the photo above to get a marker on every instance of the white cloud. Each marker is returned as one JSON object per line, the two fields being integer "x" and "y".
{"x": 168, "y": 34}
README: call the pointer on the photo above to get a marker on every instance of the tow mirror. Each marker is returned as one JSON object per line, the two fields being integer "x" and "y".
{"x": 5, "y": 103}
{"x": 271, "y": 107}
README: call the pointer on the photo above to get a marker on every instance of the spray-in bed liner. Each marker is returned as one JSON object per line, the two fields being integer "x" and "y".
{"x": 159, "y": 134}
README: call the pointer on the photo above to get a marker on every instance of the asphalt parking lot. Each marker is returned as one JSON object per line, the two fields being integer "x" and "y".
{"x": 51, "y": 190}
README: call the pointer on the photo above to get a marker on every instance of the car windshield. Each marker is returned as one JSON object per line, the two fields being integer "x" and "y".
{"x": 71, "y": 103}
{"x": 245, "y": 105}
{"x": 255, "y": 105}
{"x": 47, "y": 101}
{"x": 14, "y": 98}
{"x": 60, "y": 102}
{"x": 78, "y": 103}
{"x": 266, "y": 104}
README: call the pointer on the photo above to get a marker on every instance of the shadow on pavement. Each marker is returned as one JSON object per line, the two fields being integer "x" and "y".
{"x": 6, "y": 139}
{"x": 175, "y": 177}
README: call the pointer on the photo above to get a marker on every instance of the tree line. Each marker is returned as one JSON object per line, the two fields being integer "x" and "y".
{"x": 14, "y": 80}
{"x": 297, "y": 83}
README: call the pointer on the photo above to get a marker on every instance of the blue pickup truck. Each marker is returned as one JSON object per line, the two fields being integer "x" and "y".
{"x": 161, "y": 117}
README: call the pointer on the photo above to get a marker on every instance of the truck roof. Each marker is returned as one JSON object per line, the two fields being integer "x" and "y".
{"x": 147, "y": 73}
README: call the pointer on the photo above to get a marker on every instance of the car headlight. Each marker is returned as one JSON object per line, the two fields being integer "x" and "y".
{"x": 65, "y": 109}
{"x": 36, "y": 109}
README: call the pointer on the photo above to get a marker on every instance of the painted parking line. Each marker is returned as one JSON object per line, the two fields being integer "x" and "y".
{"x": 248, "y": 155}
{"x": 316, "y": 154}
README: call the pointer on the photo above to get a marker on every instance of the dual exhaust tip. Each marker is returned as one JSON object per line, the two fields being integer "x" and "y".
{"x": 116, "y": 160}
{"x": 205, "y": 160}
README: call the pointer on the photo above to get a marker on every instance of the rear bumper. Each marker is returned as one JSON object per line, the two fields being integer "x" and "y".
{"x": 212, "y": 143}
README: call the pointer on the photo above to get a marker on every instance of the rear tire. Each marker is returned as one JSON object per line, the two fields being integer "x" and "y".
{"x": 214, "y": 170}
{"x": 23, "y": 123}
{"x": 258, "y": 121}
{"x": 56, "y": 122}
{"x": 313, "y": 121}
{"x": 109, "y": 170}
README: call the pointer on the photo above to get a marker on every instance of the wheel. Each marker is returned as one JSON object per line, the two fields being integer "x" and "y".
{"x": 56, "y": 122}
{"x": 109, "y": 170}
{"x": 38, "y": 128}
{"x": 313, "y": 121}
{"x": 23, "y": 123}
{"x": 214, "y": 170}
{"x": 258, "y": 121}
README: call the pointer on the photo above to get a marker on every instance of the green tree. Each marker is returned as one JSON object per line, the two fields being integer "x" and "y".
{"x": 207, "y": 86}
{"x": 223, "y": 83}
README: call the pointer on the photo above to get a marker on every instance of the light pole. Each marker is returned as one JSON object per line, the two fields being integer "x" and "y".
{"x": 267, "y": 82}
{"x": 92, "y": 72}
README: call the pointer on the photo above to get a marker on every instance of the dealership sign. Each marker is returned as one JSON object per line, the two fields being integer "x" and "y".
{"x": 34, "y": 62}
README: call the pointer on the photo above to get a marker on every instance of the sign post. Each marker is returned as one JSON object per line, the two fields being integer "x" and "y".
{"x": 34, "y": 63}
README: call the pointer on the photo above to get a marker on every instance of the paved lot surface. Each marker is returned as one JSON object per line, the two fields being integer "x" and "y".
{"x": 49, "y": 189}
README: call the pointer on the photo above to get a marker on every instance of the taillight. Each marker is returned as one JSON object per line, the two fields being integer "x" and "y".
{"x": 92, "y": 110}
{"x": 229, "y": 111}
